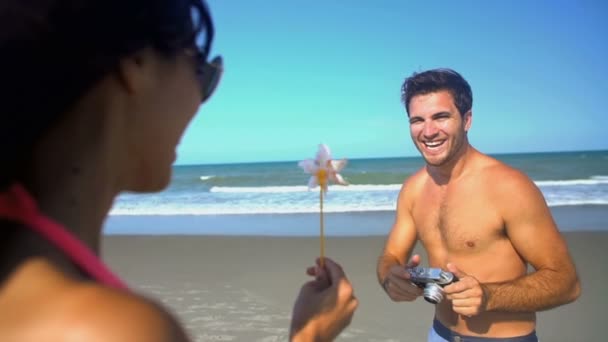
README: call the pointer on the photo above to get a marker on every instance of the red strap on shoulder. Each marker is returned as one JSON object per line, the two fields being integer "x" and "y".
{"x": 17, "y": 205}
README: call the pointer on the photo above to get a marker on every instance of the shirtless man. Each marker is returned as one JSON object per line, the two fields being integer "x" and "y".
{"x": 477, "y": 218}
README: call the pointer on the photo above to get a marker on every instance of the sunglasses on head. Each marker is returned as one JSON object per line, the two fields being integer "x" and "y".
{"x": 209, "y": 72}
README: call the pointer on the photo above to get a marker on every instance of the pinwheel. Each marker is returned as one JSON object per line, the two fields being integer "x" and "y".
{"x": 323, "y": 169}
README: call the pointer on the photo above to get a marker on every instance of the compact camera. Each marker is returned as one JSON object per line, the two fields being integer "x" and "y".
{"x": 432, "y": 280}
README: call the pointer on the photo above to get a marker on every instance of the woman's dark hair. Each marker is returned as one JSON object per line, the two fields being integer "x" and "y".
{"x": 53, "y": 51}
{"x": 431, "y": 81}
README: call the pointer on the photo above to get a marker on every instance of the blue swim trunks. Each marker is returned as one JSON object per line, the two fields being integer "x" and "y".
{"x": 440, "y": 333}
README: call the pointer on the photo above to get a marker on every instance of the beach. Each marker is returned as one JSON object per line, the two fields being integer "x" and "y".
{"x": 238, "y": 287}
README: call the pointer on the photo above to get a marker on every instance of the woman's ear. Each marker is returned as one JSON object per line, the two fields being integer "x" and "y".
{"x": 133, "y": 71}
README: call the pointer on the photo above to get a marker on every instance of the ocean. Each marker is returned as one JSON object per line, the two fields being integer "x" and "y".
{"x": 565, "y": 179}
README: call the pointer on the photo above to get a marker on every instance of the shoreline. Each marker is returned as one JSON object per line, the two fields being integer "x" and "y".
{"x": 577, "y": 218}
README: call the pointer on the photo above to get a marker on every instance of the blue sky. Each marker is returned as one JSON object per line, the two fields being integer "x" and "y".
{"x": 303, "y": 72}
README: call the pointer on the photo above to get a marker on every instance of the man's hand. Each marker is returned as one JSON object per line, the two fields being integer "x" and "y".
{"x": 467, "y": 294}
{"x": 397, "y": 282}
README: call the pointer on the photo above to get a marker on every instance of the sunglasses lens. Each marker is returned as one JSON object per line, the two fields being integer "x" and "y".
{"x": 210, "y": 77}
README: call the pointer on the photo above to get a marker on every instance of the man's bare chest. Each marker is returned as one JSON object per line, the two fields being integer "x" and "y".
{"x": 457, "y": 220}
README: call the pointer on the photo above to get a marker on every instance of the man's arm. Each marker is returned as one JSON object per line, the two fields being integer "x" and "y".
{"x": 400, "y": 241}
{"x": 534, "y": 235}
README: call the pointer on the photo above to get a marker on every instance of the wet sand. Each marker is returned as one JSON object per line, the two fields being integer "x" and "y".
{"x": 239, "y": 288}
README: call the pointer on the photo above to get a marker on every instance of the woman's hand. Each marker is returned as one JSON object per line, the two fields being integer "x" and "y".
{"x": 325, "y": 306}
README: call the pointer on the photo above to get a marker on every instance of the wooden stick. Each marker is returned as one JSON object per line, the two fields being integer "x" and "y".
{"x": 322, "y": 235}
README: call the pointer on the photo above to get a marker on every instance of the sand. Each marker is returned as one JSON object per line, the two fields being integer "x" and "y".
{"x": 238, "y": 288}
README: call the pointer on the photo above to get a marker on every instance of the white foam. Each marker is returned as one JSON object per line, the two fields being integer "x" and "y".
{"x": 303, "y": 188}
{"x": 204, "y": 178}
{"x": 593, "y": 180}
{"x": 299, "y": 199}
{"x": 165, "y": 210}
{"x": 236, "y": 210}
{"x": 559, "y": 203}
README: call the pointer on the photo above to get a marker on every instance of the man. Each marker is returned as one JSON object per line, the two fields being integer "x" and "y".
{"x": 477, "y": 218}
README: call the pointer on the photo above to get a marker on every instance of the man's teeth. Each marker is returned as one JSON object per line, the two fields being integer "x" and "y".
{"x": 433, "y": 143}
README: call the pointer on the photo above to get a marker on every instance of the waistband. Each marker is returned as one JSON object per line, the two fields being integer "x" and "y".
{"x": 450, "y": 335}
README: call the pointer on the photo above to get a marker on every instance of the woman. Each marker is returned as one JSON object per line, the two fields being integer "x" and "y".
{"x": 95, "y": 97}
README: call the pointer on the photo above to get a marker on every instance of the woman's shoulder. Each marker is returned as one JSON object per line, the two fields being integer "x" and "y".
{"x": 59, "y": 308}
{"x": 105, "y": 314}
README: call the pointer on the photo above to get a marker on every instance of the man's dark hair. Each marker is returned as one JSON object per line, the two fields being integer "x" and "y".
{"x": 53, "y": 51}
{"x": 434, "y": 80}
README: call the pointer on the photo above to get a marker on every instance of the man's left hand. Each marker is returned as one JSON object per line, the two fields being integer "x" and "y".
{"x": 467, "y": 294}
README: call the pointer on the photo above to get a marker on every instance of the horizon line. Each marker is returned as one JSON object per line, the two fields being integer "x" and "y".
{"x": 383, "y": 157}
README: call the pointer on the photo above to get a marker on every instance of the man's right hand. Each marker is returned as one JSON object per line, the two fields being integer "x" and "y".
{"x": 397, "y": 282}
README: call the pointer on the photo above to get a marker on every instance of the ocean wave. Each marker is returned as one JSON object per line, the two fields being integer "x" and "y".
{"x": 303, "y": 188}
{"x": 204, "y": 178}
{"x": 236, "y": 210}
{"x": 593, "y": 180}
{"x": 561, "y": 203}
{"x": 291, "y": 199}
{"x": 175, "y": 209}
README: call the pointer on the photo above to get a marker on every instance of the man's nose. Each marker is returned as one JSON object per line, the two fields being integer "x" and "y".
{"x": 429, "y": 130}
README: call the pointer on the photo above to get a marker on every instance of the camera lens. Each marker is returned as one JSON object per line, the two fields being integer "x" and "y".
{"x": 433, "y": 293}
